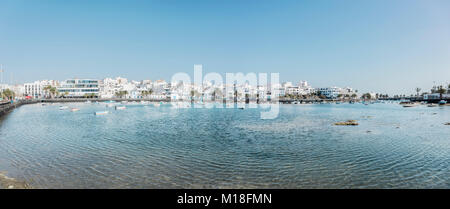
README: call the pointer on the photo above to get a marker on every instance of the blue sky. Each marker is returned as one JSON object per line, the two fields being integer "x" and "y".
{"x": 387, "y": 46}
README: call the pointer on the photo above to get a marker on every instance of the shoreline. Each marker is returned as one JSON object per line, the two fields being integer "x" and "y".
{"x": 11, "y": 183}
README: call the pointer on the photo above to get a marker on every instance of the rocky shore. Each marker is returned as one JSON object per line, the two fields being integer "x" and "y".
{"x": 11, "y": 183}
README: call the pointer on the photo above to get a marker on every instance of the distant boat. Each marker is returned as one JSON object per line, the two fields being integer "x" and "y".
{"x": 120, "y": 108}
{"x": 409, "y": 104}
{"x": 63, "y": 107}
{"x": 74, "y": 109}
{"x": 101, "y": 113}
{"x": 442, "y": 102}
{"x": 88, "y": 102}
{"x": 109, "y": 105}
{"x": 432, "y": 105}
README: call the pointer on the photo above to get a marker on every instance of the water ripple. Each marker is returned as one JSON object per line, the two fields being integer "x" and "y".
{"x": 165, "y": 147}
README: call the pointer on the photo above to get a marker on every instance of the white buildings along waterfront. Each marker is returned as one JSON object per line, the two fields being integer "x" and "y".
{"x": 121, "y": 87}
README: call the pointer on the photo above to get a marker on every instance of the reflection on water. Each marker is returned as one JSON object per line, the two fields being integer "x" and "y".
{"x": 164, "y": 147}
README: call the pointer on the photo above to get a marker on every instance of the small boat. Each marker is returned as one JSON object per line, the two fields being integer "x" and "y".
{"x": 88, "y": 102}
{"x": 120, "y": 107}
{"x": 44, "y": 104}
{"x": 410, "y": 104}
{"x": 123, "y": 102}
{"x": 101, "y": 113}
{"x": 110, "y": 105}
{"x": 63, "y": 107}
{"x": 442, "y": 102}
{"x": 157, "y": 104}
{"x": 74, "y": 109}
{"x": 432, "y": 105}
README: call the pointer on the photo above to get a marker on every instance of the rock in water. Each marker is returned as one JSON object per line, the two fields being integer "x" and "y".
{"x": 347, "y": 123}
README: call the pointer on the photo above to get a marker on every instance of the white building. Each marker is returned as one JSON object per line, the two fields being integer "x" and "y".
{"x": 79, "y": 88}
{"x": 330, "y": 92}
{"x": 35, "y": 89}
{"x": 436, "y": 96}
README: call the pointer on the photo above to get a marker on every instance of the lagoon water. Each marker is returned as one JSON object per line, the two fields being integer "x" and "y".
{"x": 164, "y": 147}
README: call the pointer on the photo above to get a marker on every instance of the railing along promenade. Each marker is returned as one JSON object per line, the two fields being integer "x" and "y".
{"x": 7, "y": 106}
{"x": 65, "y": 100}
{"x": 416, "y": 99}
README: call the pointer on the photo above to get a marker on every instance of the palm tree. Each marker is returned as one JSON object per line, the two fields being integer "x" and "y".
{"x": 192, "y": 96}
{"x": 120, "y": 94}
{"x": 150, "y": 92}
{"x": 418, "y": 91}
{"x": 8, "y": 94}
{"x": 213, "y": 96}
{"x": 366, "y": 96}
{"x": 53, "y": 91}
{"x": 47, "y": 89}
{"x": 216, "y": 92}
{"x": 441, "y": 90}
{"x": 144, "y": 93}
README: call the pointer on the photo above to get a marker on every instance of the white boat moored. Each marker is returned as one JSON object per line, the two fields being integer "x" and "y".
{"x": 101, "y": 113}
{"x": 120, "y": 107}
{"x": 409, "y": 104}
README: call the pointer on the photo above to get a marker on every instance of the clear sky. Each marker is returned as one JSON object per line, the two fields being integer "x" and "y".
{"x": 387, "y": 46}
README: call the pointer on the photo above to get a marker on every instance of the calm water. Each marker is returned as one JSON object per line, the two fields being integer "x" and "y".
{"x": 149, "y": 147}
